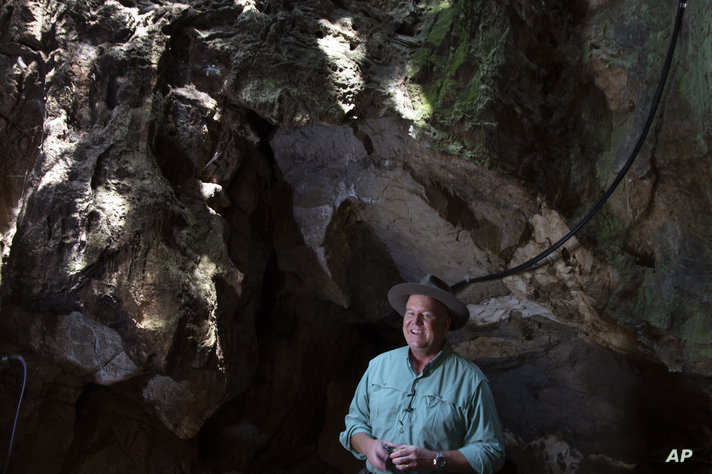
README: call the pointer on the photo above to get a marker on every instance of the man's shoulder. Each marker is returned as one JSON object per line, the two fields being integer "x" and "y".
{"x": 465, "y": 367}
{"x": 387, "y": 363}
{"x": 397, "y": 354}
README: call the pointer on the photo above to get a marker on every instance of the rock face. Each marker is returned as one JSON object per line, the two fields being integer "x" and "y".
{"x": 203, "y": 204}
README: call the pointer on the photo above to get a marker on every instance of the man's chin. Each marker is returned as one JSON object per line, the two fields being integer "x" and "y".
{"x": 416, "y": 342}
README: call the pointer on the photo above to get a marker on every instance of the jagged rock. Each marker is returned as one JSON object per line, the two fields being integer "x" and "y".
{"x": 184, "y": 406}
{"x": 612, "y": 79}
{"x": 86, "y": 346}
{"x": 203, "y": 204}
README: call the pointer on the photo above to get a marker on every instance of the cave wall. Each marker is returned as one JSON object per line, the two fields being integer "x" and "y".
{"x": 203, "y": 204}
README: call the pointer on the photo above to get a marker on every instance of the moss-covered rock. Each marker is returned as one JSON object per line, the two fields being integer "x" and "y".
{"x": 456, "y": 71}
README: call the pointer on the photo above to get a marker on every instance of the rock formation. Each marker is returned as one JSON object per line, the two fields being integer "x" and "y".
{"x": 203, "y": 204}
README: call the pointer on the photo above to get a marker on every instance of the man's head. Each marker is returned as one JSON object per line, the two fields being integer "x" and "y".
{"x": 434, "y": 288}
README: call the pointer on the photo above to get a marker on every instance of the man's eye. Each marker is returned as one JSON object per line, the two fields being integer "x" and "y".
{"x": 428, "y": 315}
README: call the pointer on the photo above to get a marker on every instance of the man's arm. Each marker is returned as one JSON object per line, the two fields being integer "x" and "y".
{"x": 358, "y": 419}
{"x": 484, "y": 443}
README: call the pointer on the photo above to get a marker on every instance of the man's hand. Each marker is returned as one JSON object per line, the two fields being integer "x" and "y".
{"x": 413, "y": 458}
{"x": 405, "y": 457}
{"x": 374, "y": 449}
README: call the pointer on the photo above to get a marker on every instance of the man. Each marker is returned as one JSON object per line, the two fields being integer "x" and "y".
{"x": 423, "y": 407}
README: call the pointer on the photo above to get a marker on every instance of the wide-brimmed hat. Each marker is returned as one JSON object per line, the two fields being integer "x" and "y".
{"x": 435, "y": 288}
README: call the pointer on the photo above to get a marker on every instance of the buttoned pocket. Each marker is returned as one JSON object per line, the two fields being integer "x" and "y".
{"x": 385, "y": 404}
{"x": 445, "y": 420}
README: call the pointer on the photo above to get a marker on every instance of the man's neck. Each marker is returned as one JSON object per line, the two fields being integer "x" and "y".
{"x": 419, "y": 359}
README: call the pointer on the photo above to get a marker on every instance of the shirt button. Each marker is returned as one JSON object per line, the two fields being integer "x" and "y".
{"x": 401, "y": 430}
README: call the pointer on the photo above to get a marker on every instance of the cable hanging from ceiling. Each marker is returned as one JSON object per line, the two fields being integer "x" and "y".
{"x": 682, "y": 5}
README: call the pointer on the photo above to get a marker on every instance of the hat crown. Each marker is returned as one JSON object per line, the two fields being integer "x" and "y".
{"x": 435, "y": 282}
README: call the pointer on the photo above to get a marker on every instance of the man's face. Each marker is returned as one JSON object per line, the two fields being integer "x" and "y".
{"x": 425, "y": 323}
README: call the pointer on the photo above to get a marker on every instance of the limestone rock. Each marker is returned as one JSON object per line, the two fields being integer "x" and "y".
{"x": 86, "y": 346}
{"x": 183, "y": 406}
{"x": 203, "y": 204}
{"x": 612, "y": 79}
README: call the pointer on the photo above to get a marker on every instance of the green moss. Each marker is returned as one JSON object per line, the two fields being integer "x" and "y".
{"x": 654, "y": 306}
{"x": 456, "y": 73}
{"x": 695, "y": 77}
{"x": 692, "y": 325}
{"x": 695, "y": 334}
{"x": 605, "y": 235}
{"x": 421, "y": 106}
{"x": 608, "y": 231}
{"x": 444, "y": 14}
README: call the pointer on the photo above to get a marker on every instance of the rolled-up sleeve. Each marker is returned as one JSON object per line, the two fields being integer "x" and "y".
{"x": 358, "y": 420}
{"x": 484, "y": 444}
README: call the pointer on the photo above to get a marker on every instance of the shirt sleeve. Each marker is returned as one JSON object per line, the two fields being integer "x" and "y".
{"x": 358, "y": 420}
{"x": 484, "y": 444}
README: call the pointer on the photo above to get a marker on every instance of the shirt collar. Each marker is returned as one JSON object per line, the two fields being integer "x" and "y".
{"x": 437, "y": 360}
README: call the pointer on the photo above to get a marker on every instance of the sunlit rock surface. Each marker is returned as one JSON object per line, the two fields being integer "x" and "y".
{"x": 203, "y": 204}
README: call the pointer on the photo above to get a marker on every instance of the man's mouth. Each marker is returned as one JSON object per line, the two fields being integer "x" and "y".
{"x": 417, "y": 332}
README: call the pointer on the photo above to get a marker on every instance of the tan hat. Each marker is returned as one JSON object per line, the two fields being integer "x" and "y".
{"x": 435, "y": 288}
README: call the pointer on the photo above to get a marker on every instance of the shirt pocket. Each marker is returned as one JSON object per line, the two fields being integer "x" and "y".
{"x": 385, "y": 404}
{"x": 446, "y": 422}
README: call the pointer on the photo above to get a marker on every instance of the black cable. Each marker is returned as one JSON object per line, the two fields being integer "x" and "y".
{"x": 646, "y": 128}
{"x": 17, "y": 413}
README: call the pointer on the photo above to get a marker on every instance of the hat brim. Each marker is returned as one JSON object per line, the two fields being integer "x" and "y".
{"x": 399, "y": 294}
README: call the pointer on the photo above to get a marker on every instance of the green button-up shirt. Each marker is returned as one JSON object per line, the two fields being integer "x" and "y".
{"x": 447, "y": 407}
